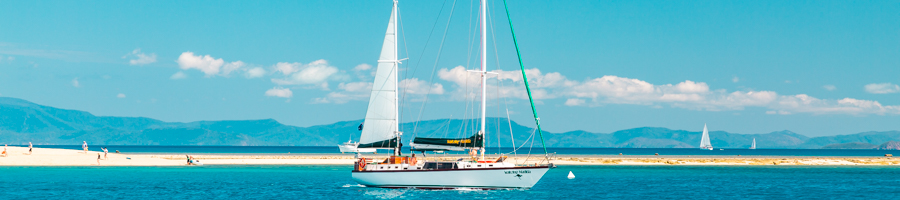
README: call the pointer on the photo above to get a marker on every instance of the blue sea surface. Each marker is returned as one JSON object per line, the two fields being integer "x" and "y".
{"x": 491, "y": 150}
{"x": 334, "y": 182}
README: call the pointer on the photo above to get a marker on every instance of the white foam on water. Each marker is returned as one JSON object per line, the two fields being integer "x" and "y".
{"x": 352, "y": 185}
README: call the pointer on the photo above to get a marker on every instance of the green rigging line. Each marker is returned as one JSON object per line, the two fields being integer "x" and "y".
{"x": 537, "y": 120}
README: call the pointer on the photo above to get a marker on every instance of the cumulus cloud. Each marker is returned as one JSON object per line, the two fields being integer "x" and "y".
{"x": 75, "y": 82}
{"x": 232, "y": 66}
{"x": 178, "y": 75}
{"x": 362, "y": 67}
{"x": 316, "y": 73}
{"x": 255, "y": 72}
{"x": 140, "y": 58}
{"x": 120, "y": 95}
{"x": 416, "y": 86}
{"x": 574, "y": 102}
{"x": 829, "y": 87}
{"x": 279, "y": 92}
{"x": 686, "y": 94}
{"x": 207, "y": 64}
{"x": 882, "y": 88}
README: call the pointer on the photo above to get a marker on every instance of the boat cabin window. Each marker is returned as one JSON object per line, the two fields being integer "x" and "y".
{"x": 439, "y": 165}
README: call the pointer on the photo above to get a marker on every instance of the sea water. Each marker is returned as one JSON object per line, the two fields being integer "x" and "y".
{"x": 490, "y": 150}
{"x": 334, "y": 182}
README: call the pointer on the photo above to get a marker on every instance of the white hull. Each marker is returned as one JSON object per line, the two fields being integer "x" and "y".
{"x": 498, "y": 178}
{"x": 351, "y": 148}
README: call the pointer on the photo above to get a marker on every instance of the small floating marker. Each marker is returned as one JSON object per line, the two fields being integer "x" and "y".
{"x": 571, "y": 175}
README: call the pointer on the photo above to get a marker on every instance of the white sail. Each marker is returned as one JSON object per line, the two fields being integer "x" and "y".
{"x": 704, "y": 141}
{"x": 753, "y": 145}
{"x": 380, "y": 126}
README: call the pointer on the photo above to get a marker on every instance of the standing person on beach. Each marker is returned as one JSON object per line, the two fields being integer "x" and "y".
{"x": 4, "y": 151}
{"x": 104, "y": 153}
{"x": 29, "y": 148}
{"x": 98, "y": 158}
{"x": 84, "y": 146}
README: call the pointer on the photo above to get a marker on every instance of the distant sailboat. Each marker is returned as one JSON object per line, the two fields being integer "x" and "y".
{"x": 704, "y": 141}
{"x": 753, "y": 145}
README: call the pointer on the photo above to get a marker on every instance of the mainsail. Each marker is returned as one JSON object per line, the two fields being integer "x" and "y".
{"x": 381, "y": 128}
{"x": 704, "y": 141}
{"x": 753, "y": 145}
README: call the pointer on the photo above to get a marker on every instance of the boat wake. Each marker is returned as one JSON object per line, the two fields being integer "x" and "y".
{"x": 353, "y": 185}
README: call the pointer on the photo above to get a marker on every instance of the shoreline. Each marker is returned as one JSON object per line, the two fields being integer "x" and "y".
{"x": 66, "y": 157}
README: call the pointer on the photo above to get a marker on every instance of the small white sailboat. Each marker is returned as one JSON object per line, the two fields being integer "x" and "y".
{"x": 571, "y": 175}
{"x": 381, "y": 131}
{"x": 704, "y": 140}
{"x": 351, "y": 147}
{"x": 753, "y": 145}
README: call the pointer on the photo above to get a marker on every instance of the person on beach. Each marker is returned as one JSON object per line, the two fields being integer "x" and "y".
{"x": 29, "y": 148}
{"x": 84, "y": 146}
{"x": 189, "y": 160}
{"x": 98, "y": 158}
{"x": 4, "y": 151}
{"x": 104, "y": 153}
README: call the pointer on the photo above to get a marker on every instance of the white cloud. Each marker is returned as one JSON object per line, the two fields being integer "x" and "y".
{"x": 207, "y": 64}
{"x": 686, "y": 94}
{"x": 574, "y": 102}
{"x": 255, "y": 72}
{"x": 882, "y": 88}
{"x": 829, "y": 87}
{"x": 735, "y": 79}
{"x": 279, "y": 92}
{"x": 229, "y": 67}
{"x": 11, "y": 58}
{"x": 287, "y": 68}
{"x": 416, "y": 86}
{"x": 120, "y": 95}
{"x": 142, "y": 58}
{"x": 362, "y": 67}
{"x": 315, "y": 73}
{"x": 75, "y": 82}
{"x": 178, "y": 75}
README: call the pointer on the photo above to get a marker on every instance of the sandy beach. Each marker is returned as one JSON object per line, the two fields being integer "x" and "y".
{"x": 18, "y": 156}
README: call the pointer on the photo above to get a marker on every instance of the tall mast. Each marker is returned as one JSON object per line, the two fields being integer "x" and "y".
{"x": 483, "y": 71}
{"x": 396, "y": 86}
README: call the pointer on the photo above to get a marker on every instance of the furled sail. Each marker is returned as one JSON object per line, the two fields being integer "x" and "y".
{"x": 381, "y": 127}
{"x": 448, "y": 144}
{"x": 704, "y": 141}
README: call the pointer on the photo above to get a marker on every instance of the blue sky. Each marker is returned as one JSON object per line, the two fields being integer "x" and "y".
{"x": 813, "y": 67}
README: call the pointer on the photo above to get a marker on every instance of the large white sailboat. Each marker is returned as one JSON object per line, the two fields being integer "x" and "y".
{"x": 753, "y": 145}
{"x": 381, "y": 131}
{"x": 704, "y": 140}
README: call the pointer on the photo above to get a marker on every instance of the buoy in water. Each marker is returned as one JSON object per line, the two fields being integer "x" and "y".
{"x": 571, "y": 175}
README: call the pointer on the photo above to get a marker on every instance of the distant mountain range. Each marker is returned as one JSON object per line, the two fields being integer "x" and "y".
{"x": 23, "y": 121}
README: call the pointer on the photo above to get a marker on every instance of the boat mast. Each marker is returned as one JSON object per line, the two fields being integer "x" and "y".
{"x": 483, "y": 71}
{"x": 397, "y": 132}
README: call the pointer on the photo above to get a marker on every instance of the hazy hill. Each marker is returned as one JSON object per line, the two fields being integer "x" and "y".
{"x": 22, "y": 122}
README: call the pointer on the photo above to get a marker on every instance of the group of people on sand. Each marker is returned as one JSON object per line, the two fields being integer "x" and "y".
{"x": 6, "y": 154}
{"x": 191, "y": 161}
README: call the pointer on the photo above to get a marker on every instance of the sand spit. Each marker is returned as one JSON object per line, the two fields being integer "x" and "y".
{"x": 18, "y": 156}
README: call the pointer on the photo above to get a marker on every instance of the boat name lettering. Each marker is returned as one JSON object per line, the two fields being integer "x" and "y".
{"x": 466, "y": 141}
{"x": 517, "y": 172}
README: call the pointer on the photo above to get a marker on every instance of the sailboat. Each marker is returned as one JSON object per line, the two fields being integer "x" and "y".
{"x": 382, "y": 132}
{"x": 704, "y": 141}
{"x": 753, "y": 145}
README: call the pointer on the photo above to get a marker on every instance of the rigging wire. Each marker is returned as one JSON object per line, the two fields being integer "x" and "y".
{"x": 416, "y": 67}
{"x": 431, "y": 82}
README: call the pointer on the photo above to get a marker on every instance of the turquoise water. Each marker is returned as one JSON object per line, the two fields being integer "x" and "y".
{"x": 333, "y": 182}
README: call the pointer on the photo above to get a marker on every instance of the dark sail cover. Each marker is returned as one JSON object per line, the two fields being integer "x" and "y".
{"x": 380, "y": 144}
{"x": 475, "y": 141}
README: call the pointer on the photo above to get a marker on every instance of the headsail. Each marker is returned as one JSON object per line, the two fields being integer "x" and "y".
{"x": 704, "y": 141}
{"x": 381, "y": 127}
